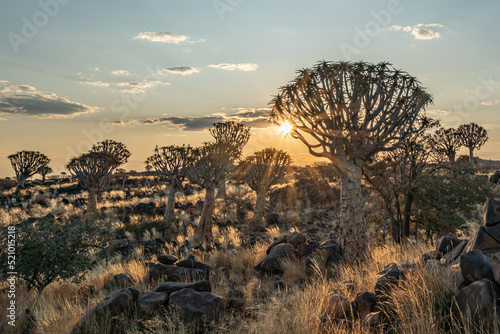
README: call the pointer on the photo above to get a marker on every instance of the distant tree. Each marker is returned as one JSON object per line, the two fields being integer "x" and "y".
{"x": 121, "y": 173}
{"x": 447, "y": 142}
{"x": 116, "y": 149}
{"x": 211, "y": 163}
{"x": 261, "y": 171}
{"x": 347, "y": 112}
{"x": 44, "y": 171}
{"x": 171, "y": 164}
{"x": 232, "y": 133}
{"x": 26, "y": 164}
{"x": 472, "y": 136}
{"x": 93, "y": 171}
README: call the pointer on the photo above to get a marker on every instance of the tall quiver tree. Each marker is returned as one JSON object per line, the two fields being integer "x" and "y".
{"x": 211, "y": 163}
{"x": 447, "y": 142}
{"x": 117, "y": 150}
{"x": 472, "y": 136}
{"x": 261, "y": 171}
{"x": 44, "y": 171}
{"x": 93, "y": 171}
{"x": 26, "y": 164}
{"x": 171, "y": 164}
{"x": 232, "y": 133}
{"x": 347, "y": 112}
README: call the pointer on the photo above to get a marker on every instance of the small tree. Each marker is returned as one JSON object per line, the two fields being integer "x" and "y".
{"x": 171, "y": 163}
{"x": 211, "y": 163}
{"x": 232, "y": 133}
{"x": 261, "y": 171}
{"x": 93, "y": 171}
{"x": 447, "y": 142}
{"x": 26, "y": 164}
{"x": 44, "y": 171}
{"x": 347, "y": 112}
{"x": 472, "y": 136}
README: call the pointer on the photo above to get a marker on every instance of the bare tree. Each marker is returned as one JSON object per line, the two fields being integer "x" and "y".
{"x": 44, "y": 171}
{"x": 347, "y": 112}
{"x": 93, "y": 171}
{"x": 26, "y": 164}
{"x": 261, "y": 171}
{"x": 472, "y": 136}
{"x": 232, "y": 133}
{"x": 447, "y": 142}
{"x": 171, "y": 163}
{"x": 211, "y": 163}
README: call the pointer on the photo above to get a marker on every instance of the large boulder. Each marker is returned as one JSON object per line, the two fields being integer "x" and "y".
{"x": 121, "y": 280}
{"x": 272, "y": 262}
{"x": 198, "y": 305}
{"x": 152, "y": 300}
{"x": 482, "y": 239}
{"x": 364, "y": 304}
{"x": 495, "y": 267}
{"x": 387, "y": 278}
{"x": 495, "y": 177}
{"x": 167, "y": 259}
{"x": 455, "y": 253}
{"x": 446, "y": 244}
{"x": 121, "y": 301}
{"x": 491, "y": 212}
{"x": 475, "y": 265}
{"x": 170, "y": 287}
{"x": 337, "y": 308}
{"x": 174, "y": 273}
{"x": 479, "y": 300}
{"x": 192, "y": 263}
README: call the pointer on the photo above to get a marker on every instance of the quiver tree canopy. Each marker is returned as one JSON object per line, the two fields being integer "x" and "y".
{"x": 118, "y": 150}
{"x": 472, "y": 136}
{"x": 348, "y": 112}
{"x": 231, "y": 132}
{"x": 26, "y": 164}
{"x": 447, "y": 142}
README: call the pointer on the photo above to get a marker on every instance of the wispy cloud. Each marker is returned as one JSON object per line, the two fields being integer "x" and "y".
{"x": 124, "y": 122}
{"x": 233, "y": 67}
{"x": 95, "y": 83}
{"x": 139, "y": 87}
{"x": 490, "y": 103}
{"x": 120, "y": 72}
{"x": 182, "y": 70}
{"x": 165, "y": 37}
{"x": 420, "y": 31}
{"x": 26, "y": 100}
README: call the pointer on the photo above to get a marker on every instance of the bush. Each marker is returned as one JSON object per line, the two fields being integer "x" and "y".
{"x": 48, "y": 250}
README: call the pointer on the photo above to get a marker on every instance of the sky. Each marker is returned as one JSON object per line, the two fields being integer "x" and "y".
{"x": 161, "y": 72}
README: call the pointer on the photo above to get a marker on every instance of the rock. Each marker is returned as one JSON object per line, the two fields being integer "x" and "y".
{"x": 167, "y": 259}
{"x": 388, "y": 277}
{"x": 198, "y": 305}
{"x": 170, "y": 287}
{"x": 475, "y": 265}
{"x": 192, "y": 263}
{"x": 478, "y": 300}
{"x": 495, "y": 267}
{"x": 364, "y": 303}
{"x": 491, "y": 212}
{"x": 121, "y": 301}
{"x": 272, "y": 262}
{"x": 482, "y": 240}
{"x": 432, "y": 255}
{"x": 495, "y": 177}
{"x": 446, "y": 244}
{"x": 153, "y": 300}
{"x": 235, "y": 304}
{"x": 278, "y": 241}
{"x": 306, "y": 248}
{"x": 373, "y": 319}
{"x": 121, "y": 280}
{"x": 174, "y": 273}
{"x": 296, "y": 239}
{"x": 333, "y": 251}
{"x": 450, "y": 257}
{"x": 338, "y": 308}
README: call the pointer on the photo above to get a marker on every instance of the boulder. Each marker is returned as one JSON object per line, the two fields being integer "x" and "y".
{"x": 450, "y": 257}
{"x": 495, "y": 267}
{"x": 272, "y": 262}
{"x": 432, "y": 255}
{"x": 495, "y": 177}
{"x": 170, "y": 287}
{"x": 153, "y": 300}
{"x": 117, "y": 302}
{"x": 364, "y": 303}
{"x": 174, "y": 273}
{"x": 192, "y": 263}
{"x": 491, "y": 212}
{"x": 446, "y": 244}
{"x": 198, "y": 305}
{"x": 478, "y": 300}
{"x": 337, "y": 308}
{"x": 388, "y": 277}
{"x": 333, "y": 251}
{"x": 277, "y": 241}
{"x": 296, "y": 239}
{"x": 167, "y": 259}
{"x": 482, "y": 240}
{"x": 373, "y": 319}
{"x": 475, "y": 265}
{"x": 121, "y": 280}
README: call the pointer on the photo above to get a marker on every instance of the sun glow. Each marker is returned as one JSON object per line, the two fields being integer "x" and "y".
{"x": 285, "y": 128}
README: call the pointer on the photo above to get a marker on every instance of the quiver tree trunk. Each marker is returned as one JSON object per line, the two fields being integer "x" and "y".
{"x": 169, "y": 209}
{"x": 20, "y": 183}
{"x": 452, "y": 157}
{"x": 92, "y": 202}
{"x": 353, "y": 229}
{"x": 471, "y": 156}
{"x": 407, "y": 215}
{"x": 260, "y": 207}
{"x": 221, "y": 190}
{"x": 204, "y": 230}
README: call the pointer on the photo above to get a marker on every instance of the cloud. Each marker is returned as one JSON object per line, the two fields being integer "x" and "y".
{"x": 124, "y": 122}
{"x": 490, "y": 103}
{"x": 232, "y": 67}
{"x": 95, "y": 83}
{"x": 437, "y": 113}
{"x": 26, "y": 100}
{"x": 182, "y": 70}
{"x": 165, "y": 37}
{"x": 120, "y": 72}
{"x": 420, "y": 31}
{"x": 139, "y": 87}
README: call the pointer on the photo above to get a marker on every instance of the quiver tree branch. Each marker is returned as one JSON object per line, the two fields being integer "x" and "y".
{"x": 472, "y": 136}
{"x": 26, "y": 164}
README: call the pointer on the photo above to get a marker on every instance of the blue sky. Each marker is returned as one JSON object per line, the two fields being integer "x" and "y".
{"x": 150, "y": 72}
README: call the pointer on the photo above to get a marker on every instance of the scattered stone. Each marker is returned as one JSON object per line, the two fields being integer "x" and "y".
{"x": 482, "y": 240}
{"x": 170, "y": 287}
{"x": 446, "y": 244}
{"x": 364, "y": 303}
{"x": 373, "y": 319}
{"x": 174, "y": 273}
{"x": 198, "y": 306}
{"x": 167, "y": 259}
{"x": 278, "y": 241}
{"x": 388, "y": 277}
{"x": 450, "y": 257}
{"x": 432, "y": 255}
{"x": 495, "y": 267}
{"x": 192, "y": 263}
{"x": 296, "y": 239}
{"x": 478, "y": 300}
{"x": 272, "y": 262}
{"x": 121, "y": 301}
{"x": 491, "y": 212}
{"x": 338, "y": 308}
{"x": 153, "y": 300}
{"x": 475, "y": 265}
{"x": 495, "y": 177}
{"x": 121, "y": 281}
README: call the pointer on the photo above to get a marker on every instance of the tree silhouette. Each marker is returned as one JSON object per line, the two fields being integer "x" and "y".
{"x": 472, "y": 136}
{"x": 347, "y": 112}
{"x": 447, "y": 142}
{"x": 233, "y": 133}
{"x": 116, "y": 149}
{"x": 171, "y": 163}
{"x": 93, "y": 171}
{"x": 44, "y": 171}
{"x": 26, "y": 164}
{"x": 261, "y": 171}
{"x": 211, "y": 163}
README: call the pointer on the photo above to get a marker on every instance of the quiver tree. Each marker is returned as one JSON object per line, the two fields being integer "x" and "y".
{"x": 231, "y": 133}
{"x": 261, "y": 171}
{"x": 26, "y": 164}
{"x": 93, "y": 171}
{"x": 347, "y": 112}
{"x": 171, "y": 164}
{"x": 116, "y": 149}
{"x": 446, "y": 142}
{"x": 472, "y": 136}
{"x": 44, "y": 171}
{"x": 211, "y": 163}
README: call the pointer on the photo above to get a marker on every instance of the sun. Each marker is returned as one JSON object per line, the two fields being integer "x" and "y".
{"x": 285, "y": 128}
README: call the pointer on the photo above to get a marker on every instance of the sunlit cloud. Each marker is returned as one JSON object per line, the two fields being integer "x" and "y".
{"x": 490, "y": 103}
{"x": 181, "y": 70}
{"x": 420, "y": 31}
{"x": 140, "y": 87}
{"x": 165, "y": 37}
{"x": 233, "y": 67}
{"x": 124, "y": 122}
{"x": 120, "y": 72}
{"x": 26, "y": 100}
{"x": 95, "y": 83}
